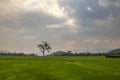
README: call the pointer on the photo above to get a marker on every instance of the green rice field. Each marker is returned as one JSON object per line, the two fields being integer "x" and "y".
{"x": 59, "y": 68}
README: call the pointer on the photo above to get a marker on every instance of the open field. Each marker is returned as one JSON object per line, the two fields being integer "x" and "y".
{"x": 59, "y": 68}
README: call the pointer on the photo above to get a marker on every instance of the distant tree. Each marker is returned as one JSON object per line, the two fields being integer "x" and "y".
{"x": 44, "y": 46}
{"x": 69, "y": 52}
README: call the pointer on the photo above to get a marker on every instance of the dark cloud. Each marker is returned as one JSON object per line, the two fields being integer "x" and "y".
{"x": 31, "y": 19}
{"x": 101, "y": 23}
{"x": 87, "y": 19}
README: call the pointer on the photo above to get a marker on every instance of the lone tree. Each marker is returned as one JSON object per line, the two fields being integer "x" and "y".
{"x": 45, "y": 46}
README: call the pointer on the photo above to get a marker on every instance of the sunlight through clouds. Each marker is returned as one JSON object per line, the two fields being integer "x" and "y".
{"x": 69, "y": 23}
{"x": 48, "y": 6}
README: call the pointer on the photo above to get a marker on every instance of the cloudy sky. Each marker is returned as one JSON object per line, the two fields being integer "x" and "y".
{"x": 77, "y": 25}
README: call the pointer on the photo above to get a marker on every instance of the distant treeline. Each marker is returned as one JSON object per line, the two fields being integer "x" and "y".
{"x": 16, "y": 54}
{"x": 69, "y": 53}
{"x": 113, "y": 56}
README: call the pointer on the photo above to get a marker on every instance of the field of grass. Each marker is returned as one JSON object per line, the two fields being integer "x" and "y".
{"x": 59, "y": 68}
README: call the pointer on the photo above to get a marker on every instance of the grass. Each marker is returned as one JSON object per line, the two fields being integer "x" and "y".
{"x": 59, "y": 68}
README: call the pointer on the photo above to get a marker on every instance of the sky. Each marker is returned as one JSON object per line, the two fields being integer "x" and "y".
{"x": 77, "y": 25}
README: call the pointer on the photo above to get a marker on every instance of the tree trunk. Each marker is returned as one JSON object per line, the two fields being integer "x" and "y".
{"x": 43, "y": 52}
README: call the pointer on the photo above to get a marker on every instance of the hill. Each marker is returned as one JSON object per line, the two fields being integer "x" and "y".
{"x": 115, "y": 52}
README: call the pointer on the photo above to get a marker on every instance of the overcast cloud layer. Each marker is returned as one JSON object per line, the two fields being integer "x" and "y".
{"x": 66, "y": 24}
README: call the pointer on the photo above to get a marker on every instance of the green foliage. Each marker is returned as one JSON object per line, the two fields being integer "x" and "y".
{"x": 59, "y": 68}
